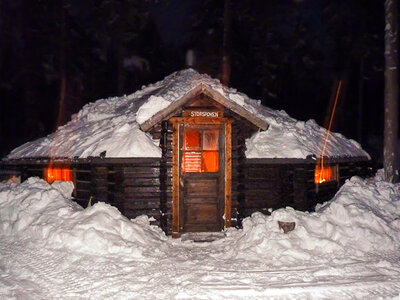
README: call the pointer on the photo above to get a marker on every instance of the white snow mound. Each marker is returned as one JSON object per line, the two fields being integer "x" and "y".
{"x": 40, "y": 211}
{"x": 363, "y": 218}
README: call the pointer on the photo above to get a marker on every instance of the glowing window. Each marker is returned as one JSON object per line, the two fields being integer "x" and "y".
{"x": 57, "y": 173}
{"x": 325, "y": 174}
{"x": 192, "y": 140}
{"x": 200, "y": 153}
{"x": 210, "y": 161}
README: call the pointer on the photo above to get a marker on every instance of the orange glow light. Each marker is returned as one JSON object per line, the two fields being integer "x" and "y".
{"x": 200, "y": 162}
{"x": 56, "y": 173}
{"x": 192, "y": 140}
{"x": 210, "y": 161}
{"x": 323, "y": 174}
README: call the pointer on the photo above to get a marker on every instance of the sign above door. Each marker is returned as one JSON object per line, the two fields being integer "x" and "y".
{"x": 202, "y": 112}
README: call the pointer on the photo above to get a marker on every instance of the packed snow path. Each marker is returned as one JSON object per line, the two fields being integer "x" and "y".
{"x": 30, "y": 271}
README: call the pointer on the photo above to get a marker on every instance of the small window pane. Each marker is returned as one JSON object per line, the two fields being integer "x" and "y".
{"x": 191, "y": 162}
{"x": 66, "y": 174}
{"x": 324, "y": 174}
{"x": 56, "y": 173}
{"x": 192, "y": 140}
{"x": 210, "y": 140}
{"x": 210, "y": 161}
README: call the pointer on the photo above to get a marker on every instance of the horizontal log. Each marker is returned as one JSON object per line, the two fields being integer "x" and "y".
{"x": 142, "y": 201}
{"x": 139, "y": 181}
{"x": 83, "y": 182}
{"x": 141, "y": 206}
{"x": 83, "y": 177}
{"x": 36, "y": 170}
{"x": 131, "y": 214}
{"x": 262, "y": 175}
{"x": 265, "y": 205}
{"x": 99, "y": 173}
{"x": 141, "y": 171}
{"x": 85, "y": 194}
{"x": 124, "y": 161}
{"x": 133, "y": 196}
{"x": 262, "y": 191}
{"x": 98, "y": 169}
{"x": 142, "y": 189}
{"x": 81, "y": 171}
{"x": 263, "y": 184}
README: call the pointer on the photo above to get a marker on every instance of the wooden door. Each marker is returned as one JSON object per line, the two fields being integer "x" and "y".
{"x": 201, "y": 177}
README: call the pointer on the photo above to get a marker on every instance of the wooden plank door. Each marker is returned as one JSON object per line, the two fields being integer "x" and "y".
{"x": 202, "y": 177}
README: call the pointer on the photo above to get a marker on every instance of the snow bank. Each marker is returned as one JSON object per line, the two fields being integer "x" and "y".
{"x": 40, "y": 211}
{"x": 363, "y": 218}
{"x": 108, "y": 123}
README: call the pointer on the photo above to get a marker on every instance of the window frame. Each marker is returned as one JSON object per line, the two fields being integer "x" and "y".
{"x": 334, "y": 178}
{"x": 62, "y": 173}
{"x": 200, "y": 149}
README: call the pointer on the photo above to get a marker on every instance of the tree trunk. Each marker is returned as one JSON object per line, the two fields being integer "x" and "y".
{"x": 226, "y": 57}
{"x": 390, "y": 147}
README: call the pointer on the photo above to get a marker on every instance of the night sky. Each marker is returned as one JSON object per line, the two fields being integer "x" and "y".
{"x": 56, "y": 56}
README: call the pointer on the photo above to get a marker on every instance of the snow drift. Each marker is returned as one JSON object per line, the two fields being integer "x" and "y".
{"x": 363, "y": 218}
{"x": 40, "y": 211}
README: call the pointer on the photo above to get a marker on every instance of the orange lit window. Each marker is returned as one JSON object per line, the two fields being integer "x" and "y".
{"x": 57, "y": 173}
{"x": 210, "y": 161}
{"x": 200, "y": 151}
{"x": 192, "y": 140}
{"x": 325, "y": 174}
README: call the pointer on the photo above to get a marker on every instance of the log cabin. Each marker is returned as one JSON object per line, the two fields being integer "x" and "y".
{"x": 192, "y": 154}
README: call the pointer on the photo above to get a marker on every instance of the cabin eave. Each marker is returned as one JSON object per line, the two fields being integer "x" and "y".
{"x": 172, "y": 109}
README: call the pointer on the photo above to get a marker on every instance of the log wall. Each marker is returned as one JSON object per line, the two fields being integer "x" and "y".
{"x": 269, "y": 185}
{"x": 139, "y": 186}
{"x": 132, "y": 185}
{"x": 239, "y": 135}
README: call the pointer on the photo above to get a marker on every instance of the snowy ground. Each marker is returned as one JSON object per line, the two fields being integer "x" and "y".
{"x": 52, "y": 249}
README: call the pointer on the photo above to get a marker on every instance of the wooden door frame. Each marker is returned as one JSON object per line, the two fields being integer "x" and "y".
{"x": 177, "y": 122}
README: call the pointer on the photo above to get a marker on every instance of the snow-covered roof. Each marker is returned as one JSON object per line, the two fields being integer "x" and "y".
{"x": 114, "y": 125}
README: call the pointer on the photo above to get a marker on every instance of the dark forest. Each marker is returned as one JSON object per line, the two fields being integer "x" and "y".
{"x": 56, "y": 56}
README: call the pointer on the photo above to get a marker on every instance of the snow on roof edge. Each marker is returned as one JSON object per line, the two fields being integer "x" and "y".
{"x": 112, "y": 125}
